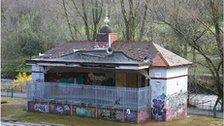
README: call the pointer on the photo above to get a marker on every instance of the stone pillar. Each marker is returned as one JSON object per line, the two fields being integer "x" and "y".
{"x": 37, "y": 73}
{"x": 158, "y": 97}
{"x": 176, "y": 94}
{"x": 168, "y": 93}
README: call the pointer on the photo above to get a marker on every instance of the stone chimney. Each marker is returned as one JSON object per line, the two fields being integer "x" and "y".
{"x": 106, "y": 37}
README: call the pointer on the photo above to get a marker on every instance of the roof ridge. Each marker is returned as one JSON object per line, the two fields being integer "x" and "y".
{"x": 165, "y": 54}
{"x": 160, "y": 54}
{"x": 164, "y": 60}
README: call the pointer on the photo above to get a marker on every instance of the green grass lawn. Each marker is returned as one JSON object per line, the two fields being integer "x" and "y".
{"x": 15, "y": 108}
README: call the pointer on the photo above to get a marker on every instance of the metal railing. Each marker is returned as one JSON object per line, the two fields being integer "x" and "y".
{"x": 104, "y": 96}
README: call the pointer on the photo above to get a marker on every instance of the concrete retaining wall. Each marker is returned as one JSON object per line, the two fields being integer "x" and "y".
{"x": 123, "y": 115}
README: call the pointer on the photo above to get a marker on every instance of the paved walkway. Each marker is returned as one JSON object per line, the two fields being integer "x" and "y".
{"x": 26, "y": 124}
{"x": 15, "y": 94}
{"x": 196, "y": 111}
{"x": 11, "y": 122}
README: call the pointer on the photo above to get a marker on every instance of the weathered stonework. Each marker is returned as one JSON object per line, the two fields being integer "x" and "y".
{"x": 144, "y": 115}
{"x": 63, "y": 109}
{"x": 170, "y": 107}
{"x": 90, "y": 111}
{"x": 34, "y": 106}
{"x": 176, "y": 106}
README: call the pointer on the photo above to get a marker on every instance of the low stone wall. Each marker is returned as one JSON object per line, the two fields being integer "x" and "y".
{"x": 175, "y": 113}
{"x": 123, "y": 115}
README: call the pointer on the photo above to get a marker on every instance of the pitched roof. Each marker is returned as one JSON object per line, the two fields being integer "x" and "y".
{"x": 170, "y": 58}
{"x": 98, "y": 56}
{"x": 147, "y": 52}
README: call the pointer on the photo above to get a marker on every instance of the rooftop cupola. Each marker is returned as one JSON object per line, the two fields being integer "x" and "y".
{"x": 106, "y": 36}
{"x": 106, "y": 29}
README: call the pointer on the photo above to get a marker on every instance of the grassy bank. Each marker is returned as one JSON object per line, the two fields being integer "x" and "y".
{"x": 15, "y": 108}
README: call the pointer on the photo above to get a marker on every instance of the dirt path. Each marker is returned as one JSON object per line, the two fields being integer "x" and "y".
{"x": 18, "y": 123}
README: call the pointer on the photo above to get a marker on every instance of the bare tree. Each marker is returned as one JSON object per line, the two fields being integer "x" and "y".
{"x": 134, "y": 14}
{"x": 67, "y": 19}
{"x": 194, "y": 24}
{"x": 90, "y": 25}
{"x": 142, "y": 28}
{"x": 130, "y": 18}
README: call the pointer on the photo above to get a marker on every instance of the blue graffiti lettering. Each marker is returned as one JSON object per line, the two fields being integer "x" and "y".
{"x": 41, "y": 107}
{"x": 158, "y": 110}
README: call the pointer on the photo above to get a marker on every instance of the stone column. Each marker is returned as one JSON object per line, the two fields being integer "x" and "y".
{"x": 37, "y": 73}
{"x": 168, "y": 93}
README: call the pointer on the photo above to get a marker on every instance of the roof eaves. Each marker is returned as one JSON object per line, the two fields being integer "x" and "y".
{"x": 34, "y": 61}
{"x": 164, "y": 60}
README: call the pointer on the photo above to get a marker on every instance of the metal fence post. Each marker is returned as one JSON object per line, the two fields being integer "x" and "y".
{"x": 214, "y": 112}
{"x": 12, "y": 92}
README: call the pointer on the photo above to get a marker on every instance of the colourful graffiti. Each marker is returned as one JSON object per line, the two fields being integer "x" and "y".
{"x": 130, "y": 116}
{"x": 85, "y": 112}
{"x": 61, "y": 109}
{"x": 41, "y": 107}
{"x": 111, "y": 114}
{"x": 176, "y": 105}
{"x": 158, "y": 110}
{"x": 119, "y": 115}
{"x": 104, "y": 113}
{"x": 173, "y": 115}
{"x": 30, "y": 106}
{"x": 143, "y": 115}
{"x": 177, "y": 100}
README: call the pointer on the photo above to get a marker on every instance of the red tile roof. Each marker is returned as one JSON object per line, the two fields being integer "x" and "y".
{"x": 156, "y": 55}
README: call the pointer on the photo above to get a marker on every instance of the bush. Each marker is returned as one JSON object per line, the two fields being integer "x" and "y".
{"x": 30, "y": 43}
{"x": 3, "y": 102}
{"x": 23, "y": 68}
{"x": 21, "y": 80}
{"x": 8, "y": 71}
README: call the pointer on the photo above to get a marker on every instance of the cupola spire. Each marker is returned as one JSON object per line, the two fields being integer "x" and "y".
{"x": 106, "y": 20}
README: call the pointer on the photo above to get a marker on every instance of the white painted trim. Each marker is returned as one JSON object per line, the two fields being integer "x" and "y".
{"x": 132, "y": 67}
{"x": 76, "y": 65}
{"x": 58, "y": 64}
{"x": 30, "y": 64}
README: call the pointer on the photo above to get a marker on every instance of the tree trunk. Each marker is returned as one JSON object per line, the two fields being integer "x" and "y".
{"x": 194, "y": 66}
{"x": 185, "y": 50}
{"x": 67, "y": 19}
{"x": 129, "y": 20}
{"x": 143, "y": 22}
{"x": 96, "y": 16}
{"x": 214, "y": 108}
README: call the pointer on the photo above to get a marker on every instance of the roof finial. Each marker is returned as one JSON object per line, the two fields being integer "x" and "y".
{"x": 106, "y": 20}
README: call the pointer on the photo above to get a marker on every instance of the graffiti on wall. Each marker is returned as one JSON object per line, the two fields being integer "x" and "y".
{"x": 143, "y": 115}
{"x": 96, "y": 78}
{"x": 85, "y": 112}
{"x": 118, "y": 115}
{"x": 130, "y": 116}
{"x": 30, "y": 106}
{"x": 41, "y": 107}
{"x": 111, "y": 114}
{"x": 61, "y": 109}
{"x": 177, "y": 100}
{"x": 104, "y": 113}
{"x": 176, "y": 105}
{"x": 158, "y": 108}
